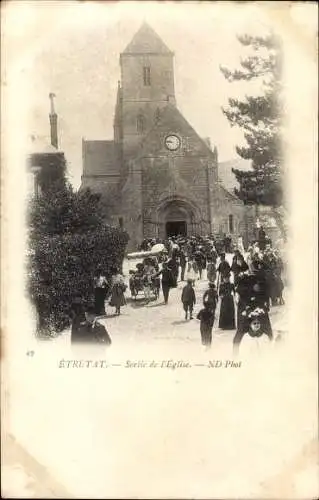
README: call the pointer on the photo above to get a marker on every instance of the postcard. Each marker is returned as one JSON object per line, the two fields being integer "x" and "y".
{"x": 159, "y": 250}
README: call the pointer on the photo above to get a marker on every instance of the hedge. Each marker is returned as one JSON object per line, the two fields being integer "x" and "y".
{"x": 64, "y": 265}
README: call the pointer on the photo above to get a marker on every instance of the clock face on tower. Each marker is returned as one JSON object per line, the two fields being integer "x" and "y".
{"x": 172, "y": 142}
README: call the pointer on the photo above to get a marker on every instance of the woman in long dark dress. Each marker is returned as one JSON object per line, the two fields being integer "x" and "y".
{"x": 173, "y": 266}
{"x": 100, "y": 291}
{"x": 223, "y": 268}
{"x": 238, "y": 266}
{"x": 227, "y": 307}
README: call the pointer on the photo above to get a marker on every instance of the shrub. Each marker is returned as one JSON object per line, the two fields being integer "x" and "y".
{"x": 68, "y": 241}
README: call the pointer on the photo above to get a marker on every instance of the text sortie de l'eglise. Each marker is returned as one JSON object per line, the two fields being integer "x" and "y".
{"x": 182, "y": 364}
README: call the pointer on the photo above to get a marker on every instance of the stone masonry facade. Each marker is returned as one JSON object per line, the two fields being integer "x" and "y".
{"x": 158, "y": 177}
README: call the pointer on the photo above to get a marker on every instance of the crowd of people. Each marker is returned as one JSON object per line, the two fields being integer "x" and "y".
{"x": 244, "y": 284}
{"x": 252, "y": 279}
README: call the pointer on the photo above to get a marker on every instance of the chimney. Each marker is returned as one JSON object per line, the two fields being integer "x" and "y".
{"x": 215, "y": 151}
{"x": 53, "y": 122}
{"x": 207, "y": 140}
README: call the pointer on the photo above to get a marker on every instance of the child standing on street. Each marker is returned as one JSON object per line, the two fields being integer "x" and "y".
{"x": 206, "y": 317}
{"x": 188, "y": 299}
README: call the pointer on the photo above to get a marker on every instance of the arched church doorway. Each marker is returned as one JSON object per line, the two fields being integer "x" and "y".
{"x": 176, "y": 217}
{"x": 176, "y": 228}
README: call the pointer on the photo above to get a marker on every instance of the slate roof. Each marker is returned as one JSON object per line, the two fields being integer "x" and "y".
{"x": 146, "y": 41}
{"x": 99, "y": 158}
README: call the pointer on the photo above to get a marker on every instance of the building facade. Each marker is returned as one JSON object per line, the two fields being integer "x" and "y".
{"x": 158, "y": 177}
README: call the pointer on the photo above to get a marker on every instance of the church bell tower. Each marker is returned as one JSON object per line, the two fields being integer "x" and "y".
{"x": 147, "y": 85}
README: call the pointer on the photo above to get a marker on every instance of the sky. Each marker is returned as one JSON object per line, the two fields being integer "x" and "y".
{"x": 73, "y": 48}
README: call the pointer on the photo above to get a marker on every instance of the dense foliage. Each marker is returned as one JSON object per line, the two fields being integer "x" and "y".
{"x": 68, "y": 241}
{"x": 62, "y": 265}
{"x": 62, "y": 210}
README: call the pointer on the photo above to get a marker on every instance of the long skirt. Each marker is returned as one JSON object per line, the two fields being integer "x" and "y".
{"x": 117, "y": 297}
{"x": 227, "y": 313}
{"x": 99, "y": 300}
{"x": 165, "y": 289}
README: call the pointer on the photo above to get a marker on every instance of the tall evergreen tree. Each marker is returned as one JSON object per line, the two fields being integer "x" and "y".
{"x": 260, "y": 117}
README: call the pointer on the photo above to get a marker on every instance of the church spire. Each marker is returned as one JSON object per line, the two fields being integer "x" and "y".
{"x": 146, "y": 41}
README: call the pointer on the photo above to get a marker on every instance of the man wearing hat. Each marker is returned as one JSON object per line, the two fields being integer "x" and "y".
{"x": 90, "y": 330}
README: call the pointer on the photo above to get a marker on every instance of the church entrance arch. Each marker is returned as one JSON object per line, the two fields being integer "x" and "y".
{"x": 176, "y": 217}
{"x": 176, "y": 228}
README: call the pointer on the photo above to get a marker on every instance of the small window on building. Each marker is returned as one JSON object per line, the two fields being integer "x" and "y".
{"x": 231, "y": 223}
{"x": 140, "y": 124}
{"x": 121, "y": 222}
{"x": 147, "y": 76}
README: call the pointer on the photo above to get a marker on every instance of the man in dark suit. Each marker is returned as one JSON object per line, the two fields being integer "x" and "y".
{"x": 88, "y": 329}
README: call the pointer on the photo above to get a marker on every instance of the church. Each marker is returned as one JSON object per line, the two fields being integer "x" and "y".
{"x": 157, "y": 176}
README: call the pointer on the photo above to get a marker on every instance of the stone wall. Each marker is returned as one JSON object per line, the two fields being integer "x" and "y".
{"x": 178, "y": 178}
{"x": 161, "y": 76}
{"x": 139, "y": 99}
{"x": 131, "y": 206}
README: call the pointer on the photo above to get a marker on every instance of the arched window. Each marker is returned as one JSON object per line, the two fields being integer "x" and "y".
{"x": 140, "y": 124}
{"x": 147, "y": 76}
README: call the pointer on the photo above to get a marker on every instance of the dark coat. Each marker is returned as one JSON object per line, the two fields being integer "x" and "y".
{"x": 210, "y": 297}
{"x": 90, "y": 333}
{"x": 167, "y": 277}
{"x": 188, "y": 295}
